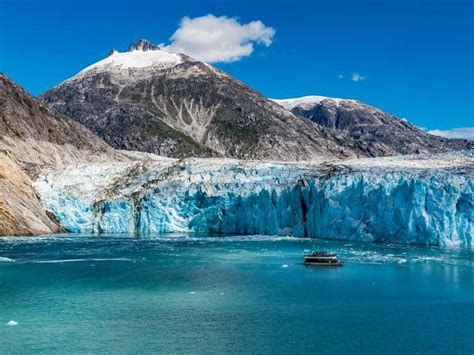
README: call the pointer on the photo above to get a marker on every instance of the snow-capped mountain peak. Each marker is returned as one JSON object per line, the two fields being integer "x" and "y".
{"x": 142, "y": 54}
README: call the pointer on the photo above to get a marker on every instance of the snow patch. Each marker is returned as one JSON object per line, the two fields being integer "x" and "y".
{"x": 137, "y": 59}
{"x": 306, "y": 102}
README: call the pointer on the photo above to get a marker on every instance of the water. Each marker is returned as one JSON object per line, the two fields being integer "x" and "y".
{"x": 189, "y": 294}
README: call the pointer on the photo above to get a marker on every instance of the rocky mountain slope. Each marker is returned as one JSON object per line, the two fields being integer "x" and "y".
{"x": 21, "y": 212}
{"x": 373, "y": 131}
{"x": 35, "y": 136}
{"x": 170, "y": 104}
{"x": 32, "y": 137}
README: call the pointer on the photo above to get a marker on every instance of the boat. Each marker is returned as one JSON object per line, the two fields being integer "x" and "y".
{"x": 322, "y": 258}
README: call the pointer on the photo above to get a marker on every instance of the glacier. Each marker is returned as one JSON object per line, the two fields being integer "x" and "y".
{"x": 410, "y": 199}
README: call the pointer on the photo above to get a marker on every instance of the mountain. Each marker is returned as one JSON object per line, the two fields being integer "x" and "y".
{"x": 149, "y": 100}
{"x": 373, "y": 131}
{"x": 34, "y": 136}
{"x": 31, "y": 138}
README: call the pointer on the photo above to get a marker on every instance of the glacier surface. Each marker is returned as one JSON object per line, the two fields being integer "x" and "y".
{"x": 411, "y": 199}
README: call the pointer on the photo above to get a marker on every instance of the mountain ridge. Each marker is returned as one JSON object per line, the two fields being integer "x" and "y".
{"x": 372, "y": 130}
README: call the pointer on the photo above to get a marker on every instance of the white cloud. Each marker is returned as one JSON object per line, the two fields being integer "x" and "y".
{"x": 357, "y": 77}
{"x": 462, "y": 132}
{"x": 218, "y": 39}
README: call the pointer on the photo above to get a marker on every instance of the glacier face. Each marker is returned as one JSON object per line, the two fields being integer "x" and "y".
{"x": 417, "y": 200}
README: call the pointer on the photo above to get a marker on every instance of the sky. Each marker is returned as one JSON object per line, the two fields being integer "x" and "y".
{"x": 414, "y": 59}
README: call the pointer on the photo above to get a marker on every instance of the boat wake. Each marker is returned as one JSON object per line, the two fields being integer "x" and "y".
{"x": 62, "y": 261}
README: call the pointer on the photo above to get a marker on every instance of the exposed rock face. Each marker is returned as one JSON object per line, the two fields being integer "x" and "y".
{"x": 32, "y": 137}
{"x": 172, "y": 105}
{"x": 21, "y": 212}
{"x": 373, "y": 131}
{"x": 142, "y": 45}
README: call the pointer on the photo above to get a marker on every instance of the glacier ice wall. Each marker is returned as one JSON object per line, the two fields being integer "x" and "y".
{"x": 379, "y": 202}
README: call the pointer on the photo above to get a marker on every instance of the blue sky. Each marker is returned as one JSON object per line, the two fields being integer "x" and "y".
{"x": 415, "y": 57}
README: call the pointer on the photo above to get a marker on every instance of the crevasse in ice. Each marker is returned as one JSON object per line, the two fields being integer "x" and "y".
{"x": 397, "y": 200}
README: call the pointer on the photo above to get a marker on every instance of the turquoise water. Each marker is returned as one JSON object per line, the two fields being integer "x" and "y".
{"x": 188, "y": 294}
